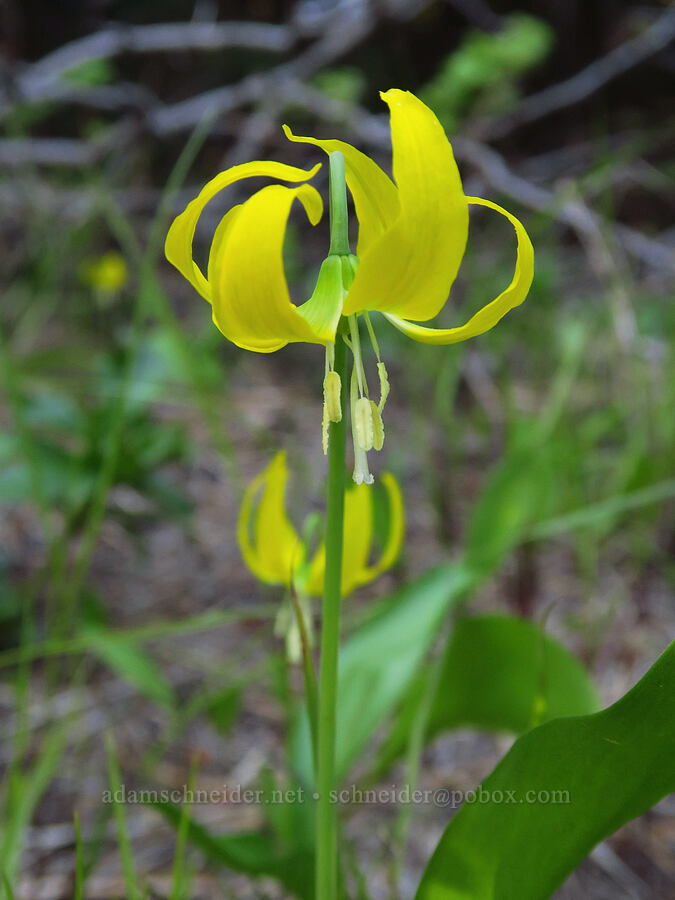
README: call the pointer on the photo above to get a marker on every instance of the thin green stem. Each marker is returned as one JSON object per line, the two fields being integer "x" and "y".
{"x": 371, "y": 332}
{"x": 326, "y": 849}
{"x": 326, "y": 835}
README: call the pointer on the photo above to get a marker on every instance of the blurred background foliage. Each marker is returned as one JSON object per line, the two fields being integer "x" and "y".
{"x": 540, "y": 457}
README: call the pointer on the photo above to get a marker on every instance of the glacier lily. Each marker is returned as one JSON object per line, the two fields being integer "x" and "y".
{"x": 411, "y": 240}
{"x": 276, "y": 554}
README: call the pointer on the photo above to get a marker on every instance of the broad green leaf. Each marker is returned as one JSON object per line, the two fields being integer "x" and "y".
{"x": 500, "y": 673}
{"x": 129, "y": 661}
{"x": 505, "y": 674}
{"x": 255, "y": 853}
{"x": 588, "y": 774}
{"x": 378, "y": 663}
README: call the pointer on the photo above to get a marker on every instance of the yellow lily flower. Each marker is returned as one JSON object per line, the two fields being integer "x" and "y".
{"x": 412, "y": 236}
{"x": 276, "y": 554}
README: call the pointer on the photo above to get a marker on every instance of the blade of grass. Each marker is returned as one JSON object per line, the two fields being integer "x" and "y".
{"x": 9, "y": 894}
{"x": 123, "y": 841}
{"x": 598, "y": 512}
{"x": 155, "y": 631}
{"x": 178, "y": 876}
{"x": 24, "y": 791}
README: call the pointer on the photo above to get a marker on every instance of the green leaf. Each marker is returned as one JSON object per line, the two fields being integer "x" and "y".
{"x": 255, "y": 853}
{"x": 500, "y": 673}
{"x": 509, "y": 503}
{"x": 606, "y": 768}
{"x": 8, "y": 887}
{"x": 126, "y": 658}
{"x": 486, "y": 66}
{"x": 378, "y": 663}
{"x": 504, "y": 674}
{"x": 91, "y": 72}
{"x": 223, "y": 708}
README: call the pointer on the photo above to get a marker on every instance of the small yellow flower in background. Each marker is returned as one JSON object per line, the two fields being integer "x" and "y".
{"x": 107, "y": 273}
{"x": 276, "y": 554}
{"x": 412, "y": 236}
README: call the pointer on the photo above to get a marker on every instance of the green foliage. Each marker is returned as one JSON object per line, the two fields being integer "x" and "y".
{"x": 345, "y": 83}
{"x": 498, "y": 673}
{"x": 91, "y": 73}
{"x": 255, "y": 853}
{"x": 378, "y": 662}
{"x": 124, "y": 657}
{"x": 223, "y": 708}
{"x": 607, "y": 769}
{"x": 508, "y": 505}
{"x": 10, "y": 606}
{"x": 123, "y": 838}
{"x": 69, "y": 435}
{"x": 482, "y": 72}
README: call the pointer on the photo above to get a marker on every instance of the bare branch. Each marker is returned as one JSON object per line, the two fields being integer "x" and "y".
{"x": 571, "y": 212}
{"x": 587, "y": 82}
{"x": 47, "y": 152}
{"x": 119, "y": 39}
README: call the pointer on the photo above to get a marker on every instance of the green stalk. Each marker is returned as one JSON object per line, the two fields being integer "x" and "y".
{"x": 326, "y": 829}
{"x": 337, "y": 206}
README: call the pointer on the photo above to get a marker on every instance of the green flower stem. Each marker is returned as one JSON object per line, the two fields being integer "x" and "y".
{"x": 326, "y": 833}
{"x": 337, "y": 206}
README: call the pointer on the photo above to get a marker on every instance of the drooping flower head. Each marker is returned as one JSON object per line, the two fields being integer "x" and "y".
{"x": 276, "y": 553}
{"x": 412, "y": 236}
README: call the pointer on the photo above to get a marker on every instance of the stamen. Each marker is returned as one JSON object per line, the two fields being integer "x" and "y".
{"x": 373, "y": 339}
{"x": 358, "y": 360}
{"x": 324, "y": 429}
{"x": 332, "y": 388}
{"x": 361, "y": 473}
{"x": 384, "y": 385}
{"x": 377, "y": 426}
{"x": 363, "y": 423}
{"x": 381, "y": 368}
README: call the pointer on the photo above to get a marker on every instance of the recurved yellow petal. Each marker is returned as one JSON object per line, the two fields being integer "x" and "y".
{"x": 276, "y": 549}
{"x": 375, "y": 197}
{"x": 396, "y": 530}
{"x": 358, "y": 536}
{"x": 250, "y": 300}
{"x": 490, "y": 314}
{"x": 178, "y": 245}
{"x": 358, "y": 533}
{"x": 409, "y": 269}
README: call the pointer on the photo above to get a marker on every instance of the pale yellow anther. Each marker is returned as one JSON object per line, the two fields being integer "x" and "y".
{"x": 332, "y": 388}
{"x": 378, "y": 426}
{"x": 384, "y": 385}
{"x": 363, "y": 423}
{"x": 324, "y": 430}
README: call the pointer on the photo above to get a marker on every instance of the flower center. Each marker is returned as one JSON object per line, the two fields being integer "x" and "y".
{"x": 367, "y": 425}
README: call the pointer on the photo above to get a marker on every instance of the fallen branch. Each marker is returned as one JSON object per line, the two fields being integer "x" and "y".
{"x": 589, "y": 80}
